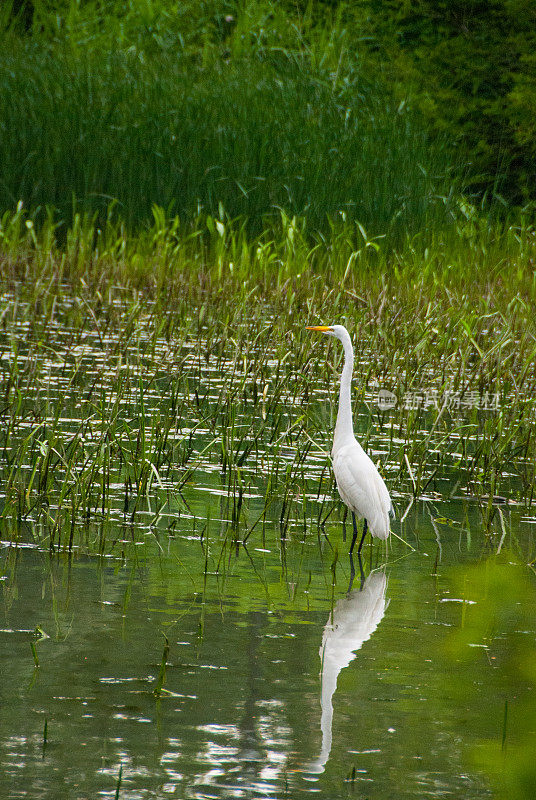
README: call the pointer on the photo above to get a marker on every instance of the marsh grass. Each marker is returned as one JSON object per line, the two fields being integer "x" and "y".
{"x": 142, "y": 370}
{"x": 143, "y": 107}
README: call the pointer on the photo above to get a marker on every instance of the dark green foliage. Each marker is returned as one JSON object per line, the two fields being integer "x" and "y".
{"x": 469, "y": 66}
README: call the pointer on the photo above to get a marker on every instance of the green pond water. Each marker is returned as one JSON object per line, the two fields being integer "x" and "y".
{"x": 443, "y": 640}
{"x": 176, "y": 644}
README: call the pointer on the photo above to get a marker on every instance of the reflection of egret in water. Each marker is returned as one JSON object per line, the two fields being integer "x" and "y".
{"x": 353, "y": 620}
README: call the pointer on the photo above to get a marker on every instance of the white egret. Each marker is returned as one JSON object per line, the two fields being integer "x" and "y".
{"x": 360, "y": 485}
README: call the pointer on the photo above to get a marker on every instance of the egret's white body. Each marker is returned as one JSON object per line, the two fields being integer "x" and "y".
{"x": 360, "y": 485}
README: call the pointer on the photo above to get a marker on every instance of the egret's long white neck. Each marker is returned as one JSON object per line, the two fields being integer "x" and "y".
{"x": 345, "y": 426}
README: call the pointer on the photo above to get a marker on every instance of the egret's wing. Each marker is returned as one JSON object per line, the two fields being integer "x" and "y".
{"x": 352, "y": 469}
{"x": 362, "y": 488}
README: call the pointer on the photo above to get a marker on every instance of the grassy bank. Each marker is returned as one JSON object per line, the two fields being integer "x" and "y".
{"x": 137, "y": 366}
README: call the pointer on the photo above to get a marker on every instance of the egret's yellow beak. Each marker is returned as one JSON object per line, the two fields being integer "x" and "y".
{"x": 321, "y": 328}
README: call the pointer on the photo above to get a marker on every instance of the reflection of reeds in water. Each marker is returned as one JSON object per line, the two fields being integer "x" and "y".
{"x": 353, "y": 621}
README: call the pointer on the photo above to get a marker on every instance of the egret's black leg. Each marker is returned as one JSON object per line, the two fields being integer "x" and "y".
{"x": 354, "y": 537}
{"x": 365, "y": 528}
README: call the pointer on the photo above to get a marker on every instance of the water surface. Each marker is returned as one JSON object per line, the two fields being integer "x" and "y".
{"x": 246, "y": 710}
{"x": 178, "y": 617}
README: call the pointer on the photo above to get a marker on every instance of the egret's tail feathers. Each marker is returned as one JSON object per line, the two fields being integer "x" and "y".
{"x": 380, "y": 526}
{"x": 380, "y": 533}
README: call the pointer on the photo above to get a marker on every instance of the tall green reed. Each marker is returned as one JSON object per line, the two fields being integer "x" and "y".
{"x": 269, "y": 117}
